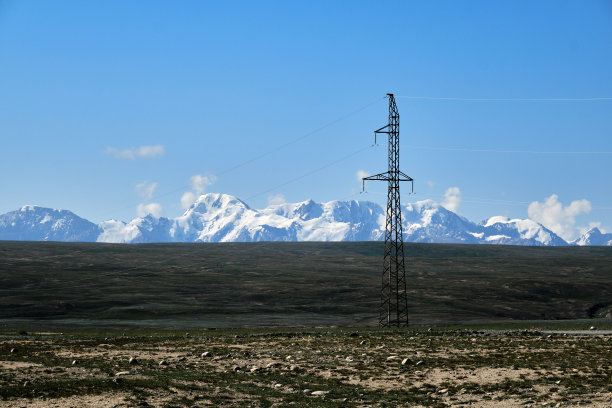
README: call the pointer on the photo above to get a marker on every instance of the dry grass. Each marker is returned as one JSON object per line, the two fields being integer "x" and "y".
{"x": 274, "y": 368}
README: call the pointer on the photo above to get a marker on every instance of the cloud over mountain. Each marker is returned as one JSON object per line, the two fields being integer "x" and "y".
{"x": 557, "y": 217}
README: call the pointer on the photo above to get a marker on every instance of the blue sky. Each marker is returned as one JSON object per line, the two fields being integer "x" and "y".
{"x": 111, "y": 108}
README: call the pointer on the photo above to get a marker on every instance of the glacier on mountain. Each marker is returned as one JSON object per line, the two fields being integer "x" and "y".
{"x": 217, "y": 217}
{"x": 594, "y": 236}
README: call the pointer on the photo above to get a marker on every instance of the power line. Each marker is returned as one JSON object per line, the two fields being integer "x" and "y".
{"x": 462, "y": 149}
{"x": 282, "y": 146}
{"x": 449, "y": 98}
{"x": 268, "y": 152}
{"x": 310, "y": 172}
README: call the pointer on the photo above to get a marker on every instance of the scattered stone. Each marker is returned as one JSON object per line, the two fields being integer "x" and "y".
{"x": 362, "y": 342}
{"x": 406, "y": 361}
{"x": 443, "y": 391}
{"x": 206, "y": 354}
{"x": 13, "y": 350}
{"x": 120, "y": 373}
{"x": 354, "y": 334}
{"x": 26, "y": 383}
{"x": 254, "y": 369}
{"x": 74, "y": 362}
{"x": 277, "y": 385}
{"x": 163, "y": 363}
{"x": 592, "y": 328}
{"x": 293, "y": 368}
{"x": 237, "y": 368}
{"x": 419, "y": 362}
{"x": 133, "y": 360}
{"x": 391, "y": 358}
{"x": 319, "y": 393}
{"x": 307, "y": 391}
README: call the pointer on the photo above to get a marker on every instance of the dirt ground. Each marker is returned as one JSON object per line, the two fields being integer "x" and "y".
{"x": 334, "y": 368}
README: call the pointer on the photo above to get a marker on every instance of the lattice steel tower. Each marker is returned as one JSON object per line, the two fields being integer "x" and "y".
{"x": 394, "y": 300}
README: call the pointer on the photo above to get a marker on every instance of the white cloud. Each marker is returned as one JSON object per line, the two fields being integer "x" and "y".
{"x": 187, "y": 199}
{"x": 557, "y": 218}
{"x": 154, "y": 209}
{"x": 146, "y": 189}
{"x": 199, "y": 182}
{"x": 452, "y": 199}
{"x": 362, "y": 174}
{"x": 136, "y": 152}
{"x": 430, "y": 183}
{"x": 276, "y": 199}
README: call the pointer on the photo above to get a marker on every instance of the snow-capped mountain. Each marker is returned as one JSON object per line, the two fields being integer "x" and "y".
{"x": 224, "y": 218}
{"x": 594, "y": 237}
{"x": 501, "y": 230}
{"x": 33, "y": 223}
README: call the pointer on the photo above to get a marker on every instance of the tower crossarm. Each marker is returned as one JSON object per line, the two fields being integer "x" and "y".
{"x": 381, "y": 131}
{"x": 388, "y": 176}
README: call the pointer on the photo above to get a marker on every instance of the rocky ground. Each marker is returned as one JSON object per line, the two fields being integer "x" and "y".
{"x": 328, "y": 368}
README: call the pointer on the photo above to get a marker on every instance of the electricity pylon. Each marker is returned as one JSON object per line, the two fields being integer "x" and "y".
{"x": 394, "y": 300}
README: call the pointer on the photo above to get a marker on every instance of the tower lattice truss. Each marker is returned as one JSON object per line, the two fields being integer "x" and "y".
{"x": 394, "y": 299}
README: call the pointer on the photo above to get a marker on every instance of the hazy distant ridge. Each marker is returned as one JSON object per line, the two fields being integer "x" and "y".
{"x": 224, "y": 218}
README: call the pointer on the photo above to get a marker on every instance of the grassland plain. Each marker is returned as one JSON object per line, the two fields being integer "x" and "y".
{"x": 292, "y": 284}
{"x": 126, "y": 325}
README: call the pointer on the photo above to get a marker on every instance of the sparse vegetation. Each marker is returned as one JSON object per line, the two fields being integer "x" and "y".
{"x": 324, "y": 367}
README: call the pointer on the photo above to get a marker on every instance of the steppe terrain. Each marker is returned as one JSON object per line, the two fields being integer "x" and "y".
{"x": 316, "y": 367}
{"x": 267, "y": 324}
{"x": 228, "y": 285}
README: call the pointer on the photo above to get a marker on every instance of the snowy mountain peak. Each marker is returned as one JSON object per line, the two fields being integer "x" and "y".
{"x": 34, "y": 223}
{"x": 498, "y": 219}
{"x": 307, "y": 210}
{"x": 215, "y": 217}
{"x": 594, "y": 236}
{"x": 31, "y": 208}
{"x": 503, "y": 230}
{"x": 215, "y": 201}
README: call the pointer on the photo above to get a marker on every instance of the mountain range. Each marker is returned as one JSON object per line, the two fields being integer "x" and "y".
{"x": 224, "y": 218}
